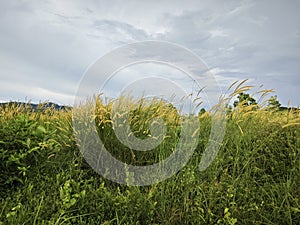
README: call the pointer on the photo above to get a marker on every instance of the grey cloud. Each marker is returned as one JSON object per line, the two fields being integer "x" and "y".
{"x": 120, "y": 29}
{"x": 50, "y": 44}
{"x": 255, "y": 38}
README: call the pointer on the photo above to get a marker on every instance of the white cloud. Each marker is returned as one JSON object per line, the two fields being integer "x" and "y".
{"x": 218, "y": 33}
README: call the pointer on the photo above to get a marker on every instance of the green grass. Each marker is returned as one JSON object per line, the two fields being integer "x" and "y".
{"x": 255, "y": 178}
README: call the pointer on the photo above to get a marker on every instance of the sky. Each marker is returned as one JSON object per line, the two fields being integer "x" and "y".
{"x": 46, "y": 47}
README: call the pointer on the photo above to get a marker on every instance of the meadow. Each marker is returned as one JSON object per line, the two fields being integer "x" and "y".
{"x": 254, "y": 179}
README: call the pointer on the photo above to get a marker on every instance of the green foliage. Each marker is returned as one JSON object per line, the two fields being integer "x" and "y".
{"x": 273, "y": 103}
{"x": 202, "y": 111}
{"x": 23, "y": 141}
{"x": 254, "y": 180}
{"x": 244, "y": 100}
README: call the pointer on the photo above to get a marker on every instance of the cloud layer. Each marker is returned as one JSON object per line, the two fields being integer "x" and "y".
{"x": 45, "y": 47}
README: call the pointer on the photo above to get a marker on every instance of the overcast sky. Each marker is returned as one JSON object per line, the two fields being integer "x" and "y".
{"x": 46, "y": 46}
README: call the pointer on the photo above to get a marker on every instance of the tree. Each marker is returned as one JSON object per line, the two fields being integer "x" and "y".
{"x": 245, "y": 100}
{"x": 273, "y": 103}
{"x": 202, "y": 111}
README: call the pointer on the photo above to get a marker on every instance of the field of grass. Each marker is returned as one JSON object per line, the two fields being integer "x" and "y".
{"x": 254, "y": 179}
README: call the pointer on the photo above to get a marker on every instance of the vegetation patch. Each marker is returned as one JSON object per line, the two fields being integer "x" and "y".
{"x": 255, "y": 178}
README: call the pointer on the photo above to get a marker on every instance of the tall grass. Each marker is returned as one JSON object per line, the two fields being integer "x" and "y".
{"x": 255, "y": 178}
{"x": 142, "y": 116}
